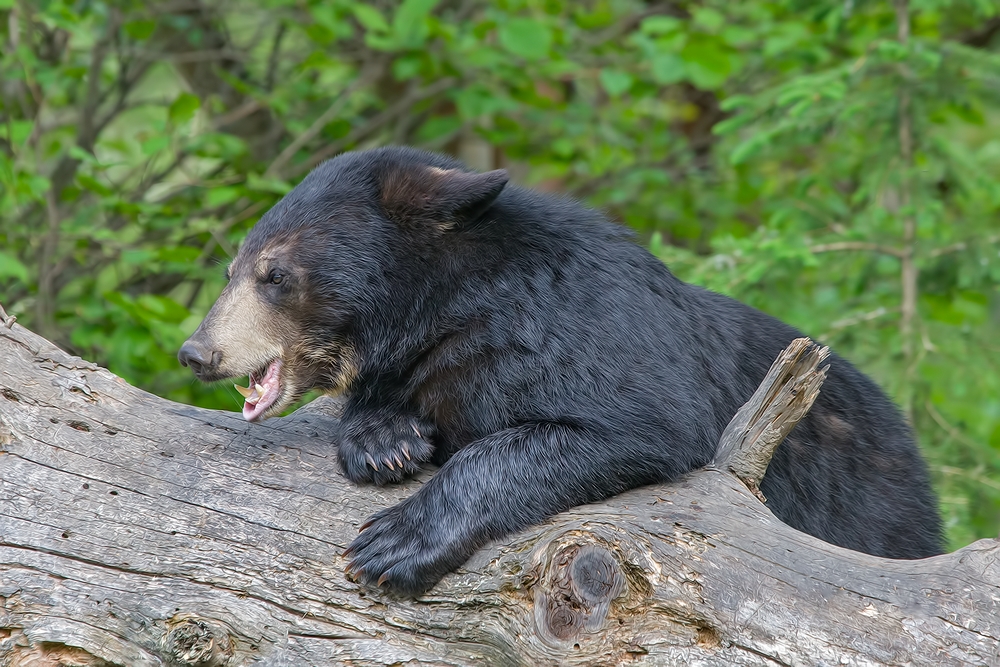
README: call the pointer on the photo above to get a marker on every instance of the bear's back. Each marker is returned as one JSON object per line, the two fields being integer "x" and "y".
{"x": 568, "y": 320}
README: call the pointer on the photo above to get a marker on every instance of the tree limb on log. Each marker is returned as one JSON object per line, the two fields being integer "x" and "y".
{"x": 139, "y": 532}
{"x": 761, "y": 424}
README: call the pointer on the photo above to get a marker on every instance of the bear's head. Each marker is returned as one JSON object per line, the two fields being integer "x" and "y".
{"x": 330, "y": 280}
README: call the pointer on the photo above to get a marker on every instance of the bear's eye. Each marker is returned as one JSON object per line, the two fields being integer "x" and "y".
{"x": 275, "y": 278}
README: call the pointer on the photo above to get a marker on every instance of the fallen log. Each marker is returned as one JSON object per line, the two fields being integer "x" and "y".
{"x": 138, "y": 532}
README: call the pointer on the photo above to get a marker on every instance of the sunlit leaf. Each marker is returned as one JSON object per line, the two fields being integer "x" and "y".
{"x": 184, "y": 107}
{"x": 615, "y": 82}
{"x": 525, "y": 37}
{"x": 668, "y": 68}
{"x": 370, "y": 17}
{"x": 12, "y": 267}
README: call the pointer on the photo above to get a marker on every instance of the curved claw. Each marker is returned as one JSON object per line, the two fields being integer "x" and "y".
{"x": 384, "y": 578}
{"x": 388, "y": 463}
{"x": 371, "y": 461}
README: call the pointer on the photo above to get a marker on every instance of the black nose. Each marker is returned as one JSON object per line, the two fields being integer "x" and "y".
{"x": 198, "y": 358}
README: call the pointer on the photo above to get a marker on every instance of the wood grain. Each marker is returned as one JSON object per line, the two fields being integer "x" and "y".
{"x": 139, "y": 532}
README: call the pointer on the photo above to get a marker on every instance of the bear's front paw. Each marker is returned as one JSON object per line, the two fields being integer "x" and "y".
{"x": 383, "y": 451}
{"x": 400, "y": 550}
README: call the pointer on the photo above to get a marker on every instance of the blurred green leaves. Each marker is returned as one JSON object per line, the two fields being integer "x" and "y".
{"x": 525, "y": 37}
{"x": 12, "y": 267}
{"x": 183, "y": 108}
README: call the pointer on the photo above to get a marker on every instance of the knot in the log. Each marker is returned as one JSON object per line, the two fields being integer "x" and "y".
{"x": 196, "y": 642}
{"x": 576, "y": 592}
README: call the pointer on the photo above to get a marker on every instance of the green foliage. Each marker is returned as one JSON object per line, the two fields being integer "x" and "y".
{"x": 797, "y": 155}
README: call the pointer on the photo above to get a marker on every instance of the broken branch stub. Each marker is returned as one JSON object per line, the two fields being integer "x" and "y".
{"x": 5, "y": 319}
{"x": 782, "y": 399}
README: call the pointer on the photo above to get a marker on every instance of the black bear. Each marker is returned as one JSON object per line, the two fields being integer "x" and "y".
{"x": 538, "y": 355}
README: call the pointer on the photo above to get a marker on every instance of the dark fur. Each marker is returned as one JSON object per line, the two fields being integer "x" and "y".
{"x": 544, "y": 360}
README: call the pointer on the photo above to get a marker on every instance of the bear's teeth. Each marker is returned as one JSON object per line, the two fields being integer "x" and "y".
{"x": 253, "y": 393}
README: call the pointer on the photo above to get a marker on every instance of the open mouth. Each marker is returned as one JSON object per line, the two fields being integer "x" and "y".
{"x": 263, "y": 392}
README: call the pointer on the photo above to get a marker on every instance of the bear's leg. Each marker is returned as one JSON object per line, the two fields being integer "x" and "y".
{"x": 491, "y": 488}
{"x": 379, "y": 446}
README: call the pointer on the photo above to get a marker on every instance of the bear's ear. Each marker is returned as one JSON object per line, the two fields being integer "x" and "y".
{"x": 447, "y": 196}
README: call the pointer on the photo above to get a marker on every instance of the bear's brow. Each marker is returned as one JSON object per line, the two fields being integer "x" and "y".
{"x": 274, "y": 252}
{"x": 263, "y": 260}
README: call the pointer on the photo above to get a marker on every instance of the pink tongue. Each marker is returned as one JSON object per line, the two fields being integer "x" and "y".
{"x": 257, "y": 403}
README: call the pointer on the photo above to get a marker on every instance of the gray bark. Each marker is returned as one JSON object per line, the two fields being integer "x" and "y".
{"x": 139, "y": 532}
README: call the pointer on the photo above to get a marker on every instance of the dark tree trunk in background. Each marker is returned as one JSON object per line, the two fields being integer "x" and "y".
{"x": 135, "y": 532}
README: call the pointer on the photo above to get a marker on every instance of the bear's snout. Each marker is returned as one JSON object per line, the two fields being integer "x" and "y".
{"x": 199, "y": 358}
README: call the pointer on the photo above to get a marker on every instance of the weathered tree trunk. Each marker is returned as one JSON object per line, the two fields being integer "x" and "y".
{"x": 135, "y": 531}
